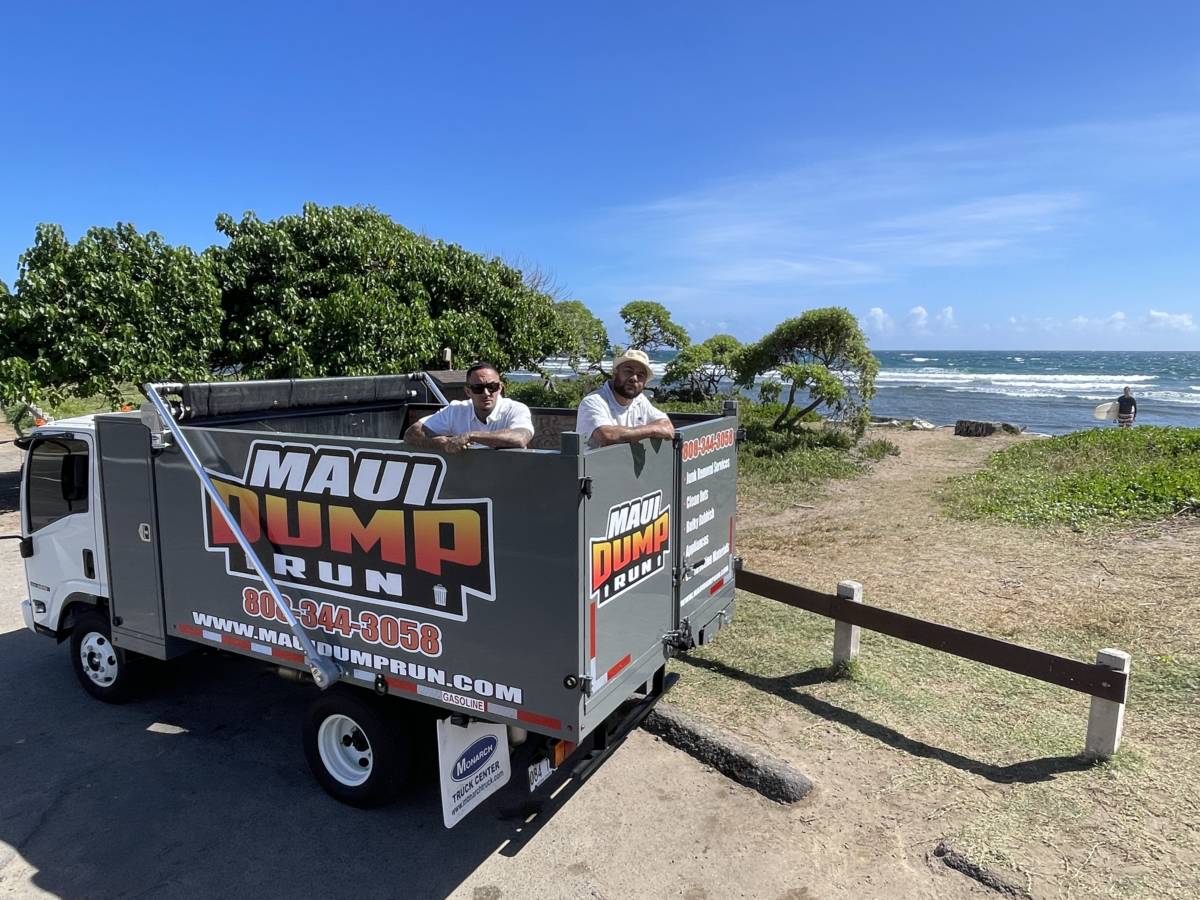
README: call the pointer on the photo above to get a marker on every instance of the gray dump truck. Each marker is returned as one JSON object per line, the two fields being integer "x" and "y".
{"x": 514, "y": 597}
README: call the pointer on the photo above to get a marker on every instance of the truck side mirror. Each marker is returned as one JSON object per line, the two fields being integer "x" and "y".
{"x": 74, "y": 477}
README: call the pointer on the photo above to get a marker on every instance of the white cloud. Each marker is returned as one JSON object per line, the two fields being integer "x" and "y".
{"x": 879, "y": 322}
{"x": 754, "y": 246}
{"x": 1034, "y": 324}
{"x": 918, "y": 320}
{"x": 1116, "y": 322}
{"x": 781, "y": 270}
{"x": 1161, "y": 321}
{"x": 977, "y": 231}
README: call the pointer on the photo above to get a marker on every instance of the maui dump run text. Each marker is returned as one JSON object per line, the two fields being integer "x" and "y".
{"x": 365, "y": 524}
{"x": 635, "y": 546}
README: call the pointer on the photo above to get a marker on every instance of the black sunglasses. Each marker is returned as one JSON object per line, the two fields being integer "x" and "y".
{"x": 491, "y": 387}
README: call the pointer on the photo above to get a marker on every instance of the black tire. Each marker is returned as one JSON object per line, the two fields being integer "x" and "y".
{"x": 356, "y": 747}
{"x": 106, "y": 672}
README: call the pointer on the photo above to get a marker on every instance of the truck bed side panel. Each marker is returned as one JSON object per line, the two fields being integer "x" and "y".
{"x": 708, "y": 509}
{"x": 453, "y": 578}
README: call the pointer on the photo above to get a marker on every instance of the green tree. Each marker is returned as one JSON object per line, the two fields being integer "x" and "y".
{"x": 347, "y": 291}
{"x": 585, "y": 337}
{"x": 823, "y": 351}
{"x": 697, "y": 371}
{"x": 115, "y": 307}
{"x": 649, "y": 326}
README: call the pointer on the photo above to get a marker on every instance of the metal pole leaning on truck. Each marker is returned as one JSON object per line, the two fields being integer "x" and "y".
{"x": 324, "y": 671}
{"x": 431, "y": 385}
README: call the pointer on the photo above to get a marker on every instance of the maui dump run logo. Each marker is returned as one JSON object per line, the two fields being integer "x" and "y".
{"x": 634, "y": 547}
{"x": 364, "y": 524}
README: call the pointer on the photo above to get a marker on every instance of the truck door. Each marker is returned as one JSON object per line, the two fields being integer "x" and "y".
{"x": 58, "y": 519}
{"x": 628, "y": 546}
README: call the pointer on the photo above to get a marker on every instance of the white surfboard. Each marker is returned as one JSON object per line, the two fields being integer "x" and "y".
{"x": 1105, "y": 411}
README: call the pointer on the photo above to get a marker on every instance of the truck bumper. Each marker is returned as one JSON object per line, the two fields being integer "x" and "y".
{"x": 27, "y": 614}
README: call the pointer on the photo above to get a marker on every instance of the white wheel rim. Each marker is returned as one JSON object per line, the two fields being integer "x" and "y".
{"x": 99, "y": 659}
{"x": 345, "y": 751}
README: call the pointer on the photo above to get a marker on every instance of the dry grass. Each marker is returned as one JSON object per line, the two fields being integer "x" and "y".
{"x": 922, "y": 745}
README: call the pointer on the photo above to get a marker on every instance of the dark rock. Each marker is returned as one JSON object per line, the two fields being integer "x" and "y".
{"x": 970, "y": 428}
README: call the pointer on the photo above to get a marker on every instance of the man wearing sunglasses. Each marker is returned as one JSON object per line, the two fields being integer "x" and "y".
{"x": 619, "y": 412}
{"x": 485, "y": 419}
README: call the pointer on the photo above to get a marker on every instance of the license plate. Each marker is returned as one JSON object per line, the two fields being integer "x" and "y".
{"x": 539, "y": 772}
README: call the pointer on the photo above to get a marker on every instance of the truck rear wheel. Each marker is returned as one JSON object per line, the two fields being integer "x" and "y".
{"x": 357, "y": 753}
{"x": 102, "y": 669}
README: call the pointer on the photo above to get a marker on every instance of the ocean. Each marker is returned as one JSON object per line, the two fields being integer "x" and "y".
{"x": 1049, "y": 391}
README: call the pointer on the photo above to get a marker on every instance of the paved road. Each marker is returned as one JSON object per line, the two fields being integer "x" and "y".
{"x": 201, "y": 789}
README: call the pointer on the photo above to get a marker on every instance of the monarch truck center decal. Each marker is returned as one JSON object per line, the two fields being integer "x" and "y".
{"x": 363, "y": 524}
{"x": 634, "y": 547}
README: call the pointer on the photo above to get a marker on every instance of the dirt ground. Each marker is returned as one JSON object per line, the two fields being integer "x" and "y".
{"x": 923, "y": 747}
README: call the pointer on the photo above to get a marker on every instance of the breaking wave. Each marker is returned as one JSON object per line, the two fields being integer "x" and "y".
{"x": 1096, "y": 386}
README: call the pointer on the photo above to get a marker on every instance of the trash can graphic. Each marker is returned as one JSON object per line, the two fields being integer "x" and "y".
{"x": 439, "y": 595}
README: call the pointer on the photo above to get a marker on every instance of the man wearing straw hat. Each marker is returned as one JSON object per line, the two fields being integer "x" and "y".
{"x": 619, "y": 412}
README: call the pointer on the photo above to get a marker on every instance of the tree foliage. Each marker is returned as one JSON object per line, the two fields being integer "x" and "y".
{"x": 585, "y": 339}
{"x": 822, "y": 352}
{"x": 649, "y": 326}
{"x": 115, "y": 307}
{"x": 698, "y": 370}
{"x": 347, "y": 291}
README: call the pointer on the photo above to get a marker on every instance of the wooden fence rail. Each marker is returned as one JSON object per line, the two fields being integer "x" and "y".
{"x": 1107, "y": 681}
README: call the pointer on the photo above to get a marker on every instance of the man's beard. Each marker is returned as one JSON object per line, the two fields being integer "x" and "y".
{"x": 627, "y": 390}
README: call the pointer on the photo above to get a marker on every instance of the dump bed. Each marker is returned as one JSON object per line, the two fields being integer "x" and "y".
{"x": 535, "y": 587}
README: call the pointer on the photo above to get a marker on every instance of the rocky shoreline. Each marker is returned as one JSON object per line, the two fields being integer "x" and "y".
{"x": 962, "y": 427}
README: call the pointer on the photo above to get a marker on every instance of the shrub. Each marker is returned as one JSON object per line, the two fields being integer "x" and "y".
{"x": 877, "y": 449}
{"x": 1086, "y": 478}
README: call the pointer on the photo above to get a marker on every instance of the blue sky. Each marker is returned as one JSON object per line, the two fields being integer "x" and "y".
{"x": 981, "y": 175}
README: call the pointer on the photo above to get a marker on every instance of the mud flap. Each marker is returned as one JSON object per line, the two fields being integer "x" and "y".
{"x": 473, "y": 763}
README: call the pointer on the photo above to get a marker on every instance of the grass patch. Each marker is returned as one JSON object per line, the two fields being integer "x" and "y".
{"x": 793, "y": 475}
{"x": 972, "y": 736}
{"x": 1086, "y": 478}
{"x": 877, "y": 449}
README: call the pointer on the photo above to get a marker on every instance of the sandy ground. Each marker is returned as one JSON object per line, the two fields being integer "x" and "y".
{"x": 895, "y": 776}
{"x": 888, "y": 532}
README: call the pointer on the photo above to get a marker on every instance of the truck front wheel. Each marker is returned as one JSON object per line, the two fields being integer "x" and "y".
{"x": 357, "y": 753}
{"x": 102, "y": 669}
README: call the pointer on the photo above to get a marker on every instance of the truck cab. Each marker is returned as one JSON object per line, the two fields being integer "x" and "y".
{"x": 61, "y": 535}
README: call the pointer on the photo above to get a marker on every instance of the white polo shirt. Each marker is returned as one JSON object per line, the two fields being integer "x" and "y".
{"x": 459, "y": 418}
{"x": 601, "y": 407}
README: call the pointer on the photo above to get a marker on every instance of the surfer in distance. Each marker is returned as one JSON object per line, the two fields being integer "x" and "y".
{"x": 1126, "y": 408}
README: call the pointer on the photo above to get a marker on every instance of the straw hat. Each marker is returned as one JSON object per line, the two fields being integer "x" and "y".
{"x": 638, "y": 358}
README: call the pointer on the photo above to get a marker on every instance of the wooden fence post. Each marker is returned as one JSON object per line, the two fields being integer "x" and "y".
{"x": 1107, "y": 717}
{"x": 845, "y": 635}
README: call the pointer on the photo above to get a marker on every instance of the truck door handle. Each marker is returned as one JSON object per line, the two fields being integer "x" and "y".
{"x": 144, "y": 532}
{"x": 89, "y": 564}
